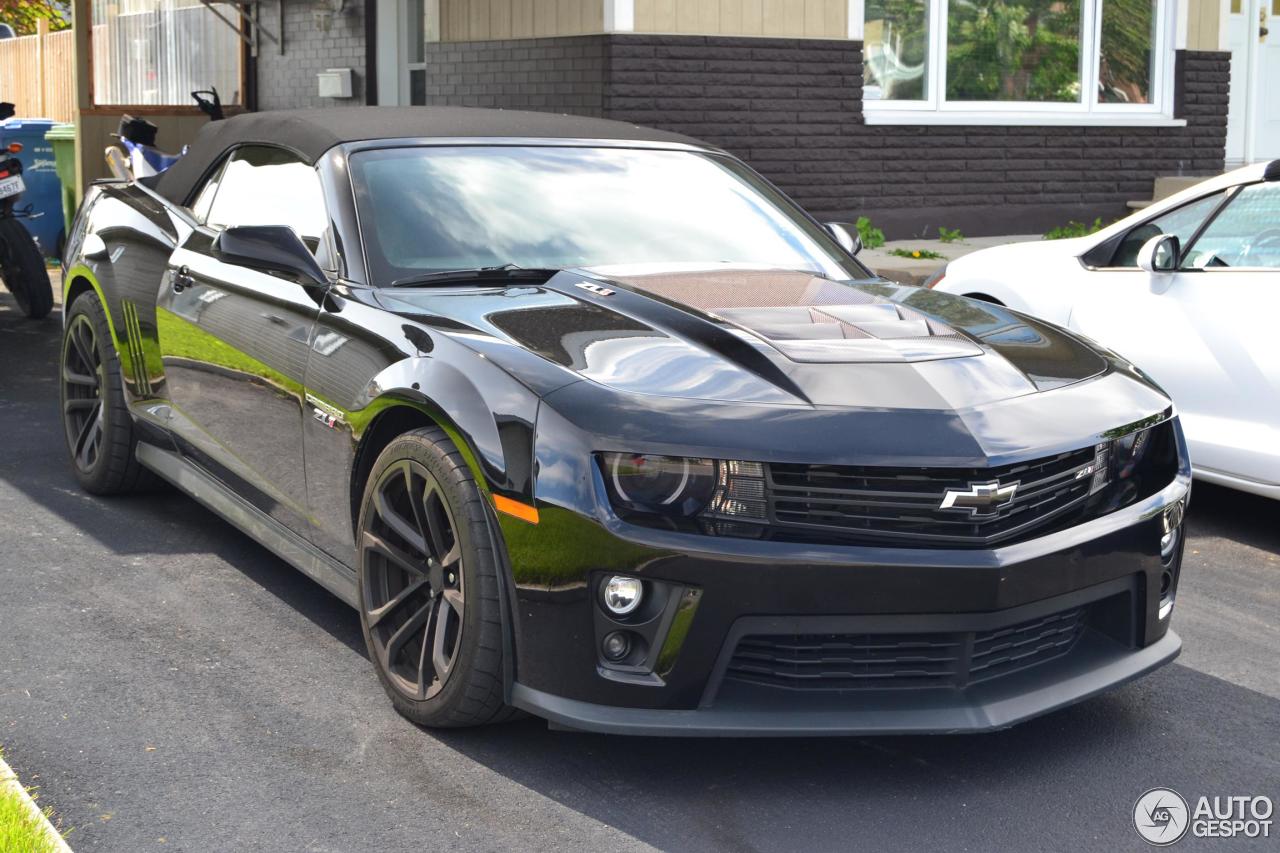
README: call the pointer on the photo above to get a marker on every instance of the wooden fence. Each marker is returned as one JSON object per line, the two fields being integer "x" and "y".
{"x": 37, "y": 74}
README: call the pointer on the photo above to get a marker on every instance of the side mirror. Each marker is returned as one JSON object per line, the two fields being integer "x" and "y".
{"x": 1160, "y": 254}
{"x": 94, "y": 247}
{"x": 270, "y": 248}
{"x": 850, "y": 242}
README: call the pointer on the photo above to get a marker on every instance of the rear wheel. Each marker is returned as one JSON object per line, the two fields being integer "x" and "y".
{"x": 429, "y": 604}
{"x": 23, "y": 270}
{"x": 95, "y": 418}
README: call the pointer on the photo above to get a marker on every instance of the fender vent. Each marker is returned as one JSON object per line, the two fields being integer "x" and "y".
{"x": 133, "y": 343}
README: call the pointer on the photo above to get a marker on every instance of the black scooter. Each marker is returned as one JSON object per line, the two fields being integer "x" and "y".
{"x": 21, "y": 265}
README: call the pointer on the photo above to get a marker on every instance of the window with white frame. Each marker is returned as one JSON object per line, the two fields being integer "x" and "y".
{"x": 1017, "y": 61}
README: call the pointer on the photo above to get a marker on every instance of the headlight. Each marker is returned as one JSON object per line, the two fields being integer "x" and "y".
{"x": 662, "y": 485}
{"x": 1127, "y": 453}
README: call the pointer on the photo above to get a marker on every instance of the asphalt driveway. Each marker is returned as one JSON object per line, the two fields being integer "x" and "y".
{"x": 170, "y": 685}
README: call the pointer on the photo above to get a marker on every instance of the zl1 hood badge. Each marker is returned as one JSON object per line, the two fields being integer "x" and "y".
{"x": 980, "y": 500}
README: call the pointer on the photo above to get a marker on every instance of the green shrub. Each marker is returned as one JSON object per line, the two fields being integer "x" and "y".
{"x": 1073, "y": 229}
{"x": 949, "y": 235}
{"x": 872, "y": 237}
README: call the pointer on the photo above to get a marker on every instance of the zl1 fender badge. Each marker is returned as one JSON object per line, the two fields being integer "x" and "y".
{"x": 597, "y": 289}
{"x": 324, "y": 413}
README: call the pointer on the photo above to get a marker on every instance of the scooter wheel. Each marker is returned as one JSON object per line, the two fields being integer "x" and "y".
{"x": 23, "y": 270}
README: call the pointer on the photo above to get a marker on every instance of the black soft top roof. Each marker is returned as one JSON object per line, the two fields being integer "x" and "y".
{"x": 313, "y": 132}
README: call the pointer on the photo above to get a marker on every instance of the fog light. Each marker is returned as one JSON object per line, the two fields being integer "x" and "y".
{"x": 1168, "y": 545}
{"x": 622, "y": 595}
{"x": 616, "y": 646}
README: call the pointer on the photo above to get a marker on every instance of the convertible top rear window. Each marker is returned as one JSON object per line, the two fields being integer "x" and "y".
{"x": 454, "y": 207}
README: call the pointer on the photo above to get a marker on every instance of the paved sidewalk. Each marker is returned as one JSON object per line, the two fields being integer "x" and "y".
{"x": 915, "y": 271}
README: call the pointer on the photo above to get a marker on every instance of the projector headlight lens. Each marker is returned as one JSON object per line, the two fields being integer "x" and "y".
{"x": 663, "y": 485}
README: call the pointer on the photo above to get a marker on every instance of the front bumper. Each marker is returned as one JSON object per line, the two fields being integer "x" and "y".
{"x": 1109, "y": 569}
{"x": 1095, "y": 663}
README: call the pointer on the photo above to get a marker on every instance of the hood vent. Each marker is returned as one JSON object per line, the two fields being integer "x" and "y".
{"x": 811, "y": 319}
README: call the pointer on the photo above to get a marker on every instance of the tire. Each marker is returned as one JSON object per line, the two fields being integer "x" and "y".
{"x": 96, "y": 421}
{"x": 23, "y": 270}
{"x": 428, "y": 585}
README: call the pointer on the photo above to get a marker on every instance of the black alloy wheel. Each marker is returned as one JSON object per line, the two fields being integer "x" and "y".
{"x": 428, "y": 585}
{"x": 95, "y": 417}
{"x": 414, "y": 597}
{"x": 82, "y": 381}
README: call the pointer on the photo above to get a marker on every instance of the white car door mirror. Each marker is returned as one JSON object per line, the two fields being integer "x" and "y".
{"x": 1160, "y": 254}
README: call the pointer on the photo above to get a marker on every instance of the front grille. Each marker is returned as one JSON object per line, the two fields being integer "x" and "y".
{"x": 906, "y": 503}
{"x": 884, "y": 661}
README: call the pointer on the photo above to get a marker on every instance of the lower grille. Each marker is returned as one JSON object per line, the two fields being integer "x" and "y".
{"x": 906, "y": 503}
{"x": 884, "y": 661}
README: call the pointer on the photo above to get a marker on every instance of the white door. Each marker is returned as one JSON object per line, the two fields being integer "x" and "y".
{"x": 403, "y": 29}
{"x": 1207, "y": 334}
{"x": 1266, "y": 128}
{"x": 1253, "y": 116}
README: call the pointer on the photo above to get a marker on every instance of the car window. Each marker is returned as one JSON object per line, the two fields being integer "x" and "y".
{"x": 200, "y": 207}
{"x": 1245, "y": 234}
{"x": 1181, "y": 222}
{"x": 261, "y": 185}
{"x": 440, "y": 208}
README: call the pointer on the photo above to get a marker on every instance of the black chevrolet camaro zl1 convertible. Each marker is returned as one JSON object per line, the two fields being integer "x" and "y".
{"x": 591, "y": 421}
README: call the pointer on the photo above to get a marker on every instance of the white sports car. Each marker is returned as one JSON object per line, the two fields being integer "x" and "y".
{"x": 1198, "y": 310}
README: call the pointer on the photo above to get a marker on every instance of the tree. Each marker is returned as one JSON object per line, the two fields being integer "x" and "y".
{"x": 23, "y": 14}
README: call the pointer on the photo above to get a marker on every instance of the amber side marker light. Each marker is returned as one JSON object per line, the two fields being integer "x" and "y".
{"x": 15, "y": 147}
{"x": 524, "y": 512}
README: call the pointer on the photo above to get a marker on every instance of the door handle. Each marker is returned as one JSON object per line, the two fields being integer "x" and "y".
{"x": 182, "y": 279}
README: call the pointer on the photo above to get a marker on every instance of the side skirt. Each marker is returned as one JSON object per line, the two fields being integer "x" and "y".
{"x": 289, "y": 546}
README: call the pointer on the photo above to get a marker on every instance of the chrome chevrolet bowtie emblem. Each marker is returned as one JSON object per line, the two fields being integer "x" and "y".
{"x": 980, "y": 499}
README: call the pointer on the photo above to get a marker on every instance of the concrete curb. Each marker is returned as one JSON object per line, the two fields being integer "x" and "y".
{"x": 9, "y": 782}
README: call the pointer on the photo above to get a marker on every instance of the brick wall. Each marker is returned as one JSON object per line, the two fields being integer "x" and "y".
{"x": 288, "y": 80}
{"x": 552, "y": 74}
{"x": 793, "y": 109}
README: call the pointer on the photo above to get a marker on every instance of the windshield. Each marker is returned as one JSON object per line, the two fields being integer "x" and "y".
{"x": 448, "y": 208}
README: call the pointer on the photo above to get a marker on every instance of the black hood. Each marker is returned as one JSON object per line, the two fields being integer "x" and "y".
{"x": 762, "y": 336}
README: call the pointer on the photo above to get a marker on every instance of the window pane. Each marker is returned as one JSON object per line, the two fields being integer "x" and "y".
{"x": 160, "y": 51}
{"x": 268, "y": 186}
{"x": 1125, "y": 67}
{"x": 895, "y": 50}
{"x": 1181, "y": 222}
{"x": 1019, "y": 51}
{"x": 414, "y": 32}
{"x": 1245, "y": 234}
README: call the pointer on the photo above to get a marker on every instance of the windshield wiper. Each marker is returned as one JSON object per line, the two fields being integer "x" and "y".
{"x": 506, "y": 272}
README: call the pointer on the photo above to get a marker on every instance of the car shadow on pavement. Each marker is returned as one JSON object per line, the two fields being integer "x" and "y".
{"x": 163, "y": 523}
{"x": 1092, "y": 760}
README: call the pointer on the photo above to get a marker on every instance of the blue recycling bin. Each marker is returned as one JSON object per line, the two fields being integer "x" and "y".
{"x": 44, "y": 189}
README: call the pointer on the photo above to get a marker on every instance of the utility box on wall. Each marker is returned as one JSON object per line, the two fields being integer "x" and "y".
{"x": 335, "y": 82}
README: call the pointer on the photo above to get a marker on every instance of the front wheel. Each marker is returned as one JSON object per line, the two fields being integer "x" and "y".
{"x": 23, "y": 270}
{"x": 428, "y": 585}
{"x": 95, "y": 417}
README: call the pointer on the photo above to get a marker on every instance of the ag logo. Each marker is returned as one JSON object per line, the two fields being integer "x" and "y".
{"x": 1161, "y": 816}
